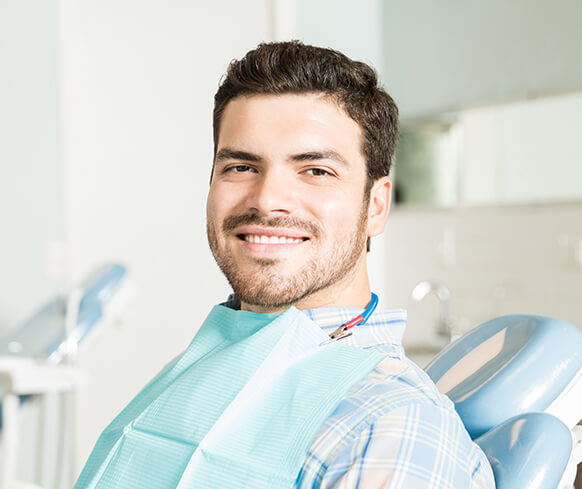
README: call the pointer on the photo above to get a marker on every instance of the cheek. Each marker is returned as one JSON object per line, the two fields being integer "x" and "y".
{"x": 220, "y": 198}
{"x": 338, "y": 211}
{"x": 214, "y": 209}
{"x": 210, "y": 212}
{"x": 330, "y": 208}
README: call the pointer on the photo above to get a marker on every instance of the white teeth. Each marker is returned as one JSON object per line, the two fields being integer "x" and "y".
{"x": 254, "y": 238}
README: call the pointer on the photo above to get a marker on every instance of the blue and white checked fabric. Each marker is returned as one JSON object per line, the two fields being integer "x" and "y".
{"x": 393, "y": 429}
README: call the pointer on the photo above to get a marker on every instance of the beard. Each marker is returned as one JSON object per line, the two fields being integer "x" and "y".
{"x": 269, "y": 288}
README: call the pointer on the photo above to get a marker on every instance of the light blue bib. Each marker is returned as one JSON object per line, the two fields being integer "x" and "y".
{"x": 238, "y": 409}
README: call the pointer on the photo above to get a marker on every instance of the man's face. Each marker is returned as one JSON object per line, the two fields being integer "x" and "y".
{"x": 286, "y": 211}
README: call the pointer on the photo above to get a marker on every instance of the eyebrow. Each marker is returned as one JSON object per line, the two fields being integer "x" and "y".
{"x": 320, "y": 155}
{"x": 231, "y": 154}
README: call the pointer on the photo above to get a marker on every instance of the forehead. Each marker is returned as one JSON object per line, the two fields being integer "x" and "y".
{"x": 294, "y": 119}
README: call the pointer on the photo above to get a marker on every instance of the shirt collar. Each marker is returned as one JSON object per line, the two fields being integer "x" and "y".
{"x": 382, "y": 328}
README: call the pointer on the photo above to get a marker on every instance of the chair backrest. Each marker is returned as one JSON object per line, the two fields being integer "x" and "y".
{"x": 507, "y": 377}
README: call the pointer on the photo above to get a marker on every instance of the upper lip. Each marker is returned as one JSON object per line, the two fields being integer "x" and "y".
{"x": 261, "y": 231}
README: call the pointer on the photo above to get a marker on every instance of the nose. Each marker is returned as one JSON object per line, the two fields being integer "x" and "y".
{"x": 272, "y": 193}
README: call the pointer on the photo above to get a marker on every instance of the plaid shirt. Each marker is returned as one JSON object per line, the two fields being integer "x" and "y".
{"x": 393, "y": 429}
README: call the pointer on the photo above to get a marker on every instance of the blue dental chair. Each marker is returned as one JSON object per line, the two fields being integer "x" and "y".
{"x": 44, "y": 335}
{"x": 516, "y": 382}
{"x": 39, "y": 357}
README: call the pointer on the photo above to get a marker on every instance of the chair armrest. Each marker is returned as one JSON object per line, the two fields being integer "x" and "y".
{"x": 528, "y": 451}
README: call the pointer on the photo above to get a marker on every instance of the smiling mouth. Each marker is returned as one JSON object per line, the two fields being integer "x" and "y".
{"x": 264, "y": 239}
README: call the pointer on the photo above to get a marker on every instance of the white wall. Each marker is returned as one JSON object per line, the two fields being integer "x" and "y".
{"x": 31, "y": 207}
{"x": 138, "y": 79}
{"x": 355, "y": 28}
{"x": 451, "y": 54}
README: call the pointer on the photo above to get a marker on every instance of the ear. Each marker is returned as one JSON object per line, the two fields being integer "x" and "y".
{"x": 379, "y": 206}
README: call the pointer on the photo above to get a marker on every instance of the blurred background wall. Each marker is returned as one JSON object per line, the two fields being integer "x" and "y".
{"x": 106, "y": 150}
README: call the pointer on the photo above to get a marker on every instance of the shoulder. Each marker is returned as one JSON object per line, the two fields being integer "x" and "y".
{"x": 394, "y": 386}
{"x": 396, "y": 381}
{"x": 395, "y": 424}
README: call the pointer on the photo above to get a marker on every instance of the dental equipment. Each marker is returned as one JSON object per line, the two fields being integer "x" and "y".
{"x": 516, "y": 382}
{"x": 102, "y": 295}
{"x": 40, "y": 356}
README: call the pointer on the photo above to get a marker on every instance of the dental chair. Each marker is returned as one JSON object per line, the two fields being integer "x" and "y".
{"x": 516, "y": 382}
{"x": 40, "y": 356}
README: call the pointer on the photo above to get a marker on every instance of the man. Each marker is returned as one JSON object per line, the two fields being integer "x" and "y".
{"x": 303, "y": 141}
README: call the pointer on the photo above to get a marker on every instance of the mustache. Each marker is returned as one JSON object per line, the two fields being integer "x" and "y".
{"x": 233, "y": 222}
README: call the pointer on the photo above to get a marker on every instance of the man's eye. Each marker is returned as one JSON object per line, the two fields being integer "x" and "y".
{"x": 240, "y": 168}
{"x": 317, "y": 172}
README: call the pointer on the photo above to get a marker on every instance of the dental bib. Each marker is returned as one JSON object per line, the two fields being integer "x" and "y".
{"x": 238, "y": 409}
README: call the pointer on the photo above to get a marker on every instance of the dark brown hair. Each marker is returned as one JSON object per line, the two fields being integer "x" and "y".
{"x": 293, "y": 67}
